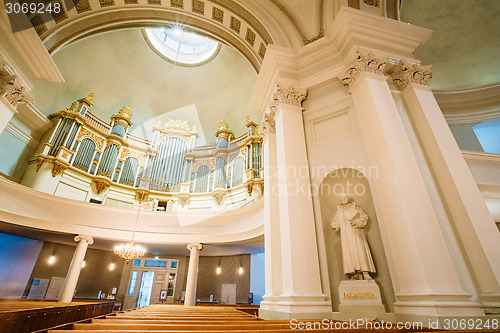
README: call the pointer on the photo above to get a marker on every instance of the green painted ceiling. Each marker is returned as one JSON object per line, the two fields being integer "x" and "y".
{"x": 465, "y": 46}
{"x": 120, "y": 69}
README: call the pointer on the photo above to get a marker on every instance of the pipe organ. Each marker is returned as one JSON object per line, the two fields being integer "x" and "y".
{"x": 170, "y": 170}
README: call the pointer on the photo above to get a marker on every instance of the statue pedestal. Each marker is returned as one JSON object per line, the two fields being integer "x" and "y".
{"x": 360, "y": 299}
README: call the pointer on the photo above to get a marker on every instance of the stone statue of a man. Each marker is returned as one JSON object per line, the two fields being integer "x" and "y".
{"x": 356, "y": 257}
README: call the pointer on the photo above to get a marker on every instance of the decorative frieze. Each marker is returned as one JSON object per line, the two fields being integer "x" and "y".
{"x": 404, "y": 74}
{"x": 130, "y": 153}
{"x": 289, "y": 96}
{"x": 97, "y": 139}
{"x": 364, "y": 62}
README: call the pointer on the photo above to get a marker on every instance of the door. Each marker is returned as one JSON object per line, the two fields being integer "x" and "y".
{"x": 228, "y": 295}
{"x": 145, "y": 288}
{"x": 158, "y": 283}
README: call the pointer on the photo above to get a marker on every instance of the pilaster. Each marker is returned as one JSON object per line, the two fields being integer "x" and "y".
{"x": 404, "y": 201}
{"x": 272, "y": 239}
{"x": 301, "y": 289}
{"x": 474, "y": 223}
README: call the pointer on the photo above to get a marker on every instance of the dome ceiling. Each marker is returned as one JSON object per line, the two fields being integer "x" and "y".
{"x": 120, "y": 68}
{"x": 464, "y": 49}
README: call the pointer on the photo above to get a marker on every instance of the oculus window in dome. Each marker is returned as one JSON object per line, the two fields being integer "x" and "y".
{"x": 182, "y": 47}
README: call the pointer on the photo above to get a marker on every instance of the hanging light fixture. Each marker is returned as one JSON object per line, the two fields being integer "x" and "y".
{"x": 130, "y": 250}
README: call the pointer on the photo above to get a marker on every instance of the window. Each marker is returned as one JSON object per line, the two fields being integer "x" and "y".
{"x": 177, "y": 45}
{"x": 137, "y": 262}
{"x": 173, "y": 264}
{"x": 133, "y": 282}
{"x": 155, "y": 263}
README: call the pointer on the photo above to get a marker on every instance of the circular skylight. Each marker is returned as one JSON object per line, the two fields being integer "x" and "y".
{"x": 182, "y": 47}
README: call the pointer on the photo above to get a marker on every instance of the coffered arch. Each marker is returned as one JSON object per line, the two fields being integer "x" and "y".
{"x": 226, "y": 21}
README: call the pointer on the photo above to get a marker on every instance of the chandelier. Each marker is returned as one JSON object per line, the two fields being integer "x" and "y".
{"x": 130, "y": 250}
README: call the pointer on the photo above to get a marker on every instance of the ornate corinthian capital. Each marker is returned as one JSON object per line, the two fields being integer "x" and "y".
{"x": 12, "y": 90}
{"x": 268, "y": 122}
{"x": 288, "y": 96}
{"x": 404, "y": 74}
{"x": 364, "y": 62}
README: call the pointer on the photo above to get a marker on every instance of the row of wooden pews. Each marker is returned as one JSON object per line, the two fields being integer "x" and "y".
{"x": 162, "y": 318}
{"x": 23, "y": 316}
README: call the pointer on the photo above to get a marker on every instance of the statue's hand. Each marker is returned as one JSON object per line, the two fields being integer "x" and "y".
{"x": 335, "y": 226}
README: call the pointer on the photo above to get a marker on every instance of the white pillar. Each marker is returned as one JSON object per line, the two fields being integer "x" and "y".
{"x": 470, "y": 214}
{"x": 427, "y": 281}
{"x": 192, "y": 274}
{"x": 302, "y": 291}
{"x": 7, "y": 111}
{"x": 272, "y": 242}
{"x": 75, "y": 268}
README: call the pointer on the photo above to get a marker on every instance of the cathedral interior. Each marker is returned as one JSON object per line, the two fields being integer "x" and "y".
{"x": 316, "y": 159}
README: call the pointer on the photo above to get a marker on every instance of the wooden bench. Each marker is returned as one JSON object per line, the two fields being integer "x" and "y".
{"x": 23, "y": 316}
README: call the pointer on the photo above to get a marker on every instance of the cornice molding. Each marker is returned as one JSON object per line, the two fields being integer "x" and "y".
{"x": 470, "y": 105}
{"x": 325, "y": 59}
{"x": 32, "y": 51}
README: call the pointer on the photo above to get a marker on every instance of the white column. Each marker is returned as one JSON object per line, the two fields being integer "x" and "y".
{"x": 302, "y": 291}
{"x": 427, "y": 280}
{"x": 470, "y": 214}
{"x": 272, "y": 242}
{"x": 7, "y": 111}
{"x": 192, "y": 274}
{"x": 75, "y": 268}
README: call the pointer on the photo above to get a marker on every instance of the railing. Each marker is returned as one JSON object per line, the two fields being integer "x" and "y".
{"x": 138, "y": 142}
{"x": 97, "y": 123}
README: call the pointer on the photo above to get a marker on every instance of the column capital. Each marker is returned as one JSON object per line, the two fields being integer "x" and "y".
{"x": 288, "y": 96}
{"x": 13, "y": 91}
{"x": 197, "y": 246}
{"x": 363, "y": 62}
{"x": 405, "y": 74}
{"x": 80, "y": 238}
{"x": 268, "y": 123}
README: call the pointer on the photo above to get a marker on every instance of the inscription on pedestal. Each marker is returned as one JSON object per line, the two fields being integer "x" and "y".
{"x": 359, "y": 292}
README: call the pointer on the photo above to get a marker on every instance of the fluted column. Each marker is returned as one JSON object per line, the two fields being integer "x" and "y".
{"x": 272, "y": 241}
{"x": 472, "y": 219}
{"x": 192, "y": 276}
{"x": 426, "y": 280}
{"x": 75, "y": 268}
{"x": 302, "y": 292}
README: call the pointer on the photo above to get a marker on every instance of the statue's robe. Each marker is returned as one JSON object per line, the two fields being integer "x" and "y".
{"x": 356, "y": 256}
